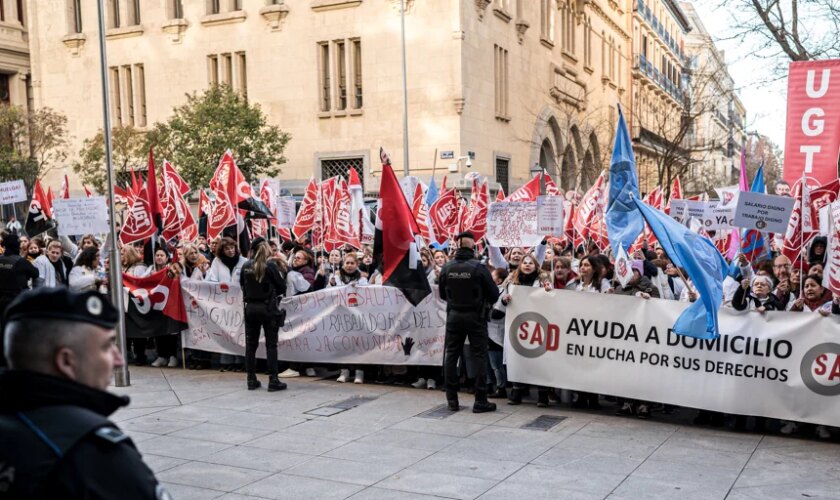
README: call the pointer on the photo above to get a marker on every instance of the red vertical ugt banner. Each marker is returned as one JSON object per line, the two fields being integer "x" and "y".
{"x": 812, "y": 138}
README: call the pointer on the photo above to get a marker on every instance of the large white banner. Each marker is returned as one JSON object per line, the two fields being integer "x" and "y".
{"x": 352, "y": 325}
{"x": 778, "y": 364}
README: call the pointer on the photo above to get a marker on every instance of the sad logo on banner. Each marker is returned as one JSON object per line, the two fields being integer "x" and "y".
{"x": 820, "y": 369}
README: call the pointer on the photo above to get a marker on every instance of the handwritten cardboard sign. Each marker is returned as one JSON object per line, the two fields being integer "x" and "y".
{"x": 550, "y": 216}
{"x": 12, "y": 192}
{"x": 78, "y": 216}
{"x": 763, "y": 212}
{"x": 513, "y": 224}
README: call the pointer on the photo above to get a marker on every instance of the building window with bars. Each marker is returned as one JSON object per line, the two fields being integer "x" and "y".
{"x": 340, "y": 75}
{"x": 501, "y": 76}
{"x": 503, "y": 173}
{"x": 341, "y": 166}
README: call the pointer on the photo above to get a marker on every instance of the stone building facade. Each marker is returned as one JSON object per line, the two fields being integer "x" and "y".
{"x": 15, "y": 83}
{"x": 509, "y": 83}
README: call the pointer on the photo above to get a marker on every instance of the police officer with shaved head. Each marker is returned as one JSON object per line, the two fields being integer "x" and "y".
{"x": 469, "y": 291}
{"x": 55, "y": 437}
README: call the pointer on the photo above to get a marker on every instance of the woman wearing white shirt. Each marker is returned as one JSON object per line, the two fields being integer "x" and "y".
{"x": 228, "y": 263}
{"x": 590, "y": 271}
{"x": 225, "y": 269}
{"x": 348, "y": 274}
{"x": 85, "y": 274}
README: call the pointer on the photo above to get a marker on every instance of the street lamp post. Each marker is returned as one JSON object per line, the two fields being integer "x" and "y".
{"x": 405, "y": 89}
{"x": 121, "y": 377}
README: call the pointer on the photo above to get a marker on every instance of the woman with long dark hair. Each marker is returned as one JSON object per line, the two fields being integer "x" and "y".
{"x": 262, "y": 284}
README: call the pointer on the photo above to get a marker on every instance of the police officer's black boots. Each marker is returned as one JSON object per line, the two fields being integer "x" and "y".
{"x": 253, "y": 383}
{"x": 274, "y": 384}
{"x": 481, "y": 404}
{"x": 452, "y": 401}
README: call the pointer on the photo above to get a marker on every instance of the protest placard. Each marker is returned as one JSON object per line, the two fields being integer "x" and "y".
{"x": 717, "y": 216}
{"x": 78, "y": 216}
{"x": 677, "y": 211}
{"x": 513, "y": 224}
{"x": 286, "y": 211}
{"x": 550, "y": 215}
{"x": 763, "y": 212}
{"x": 12, "y": 192}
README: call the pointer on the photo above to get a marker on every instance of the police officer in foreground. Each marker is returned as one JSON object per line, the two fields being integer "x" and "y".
{"x": 55, "y": 438}
{"x": 15, "y": 273}
{"x": 469, "y": 292}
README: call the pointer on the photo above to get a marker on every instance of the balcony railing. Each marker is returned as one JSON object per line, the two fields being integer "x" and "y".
{"x": 647, "y": 67}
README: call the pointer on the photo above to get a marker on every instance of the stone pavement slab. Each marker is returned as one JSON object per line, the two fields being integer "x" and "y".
{"x": 206, "y": 436}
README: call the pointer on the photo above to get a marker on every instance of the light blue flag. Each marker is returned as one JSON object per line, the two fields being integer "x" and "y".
{"x": 703, "y": 263}
{"x": 431, "y": 193}
{"x": 624, "y": 222}
{"x": 758, "y": 185}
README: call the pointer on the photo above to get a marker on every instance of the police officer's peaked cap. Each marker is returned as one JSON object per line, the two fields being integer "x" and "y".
{"x": 465, "y": 234}
{"x": 63, "y": 304}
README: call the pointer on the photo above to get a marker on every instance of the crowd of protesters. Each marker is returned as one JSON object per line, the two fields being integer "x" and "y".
{"x": 293, "y": 268}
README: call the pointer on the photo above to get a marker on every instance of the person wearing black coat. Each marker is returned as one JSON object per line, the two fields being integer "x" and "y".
{"x": 262, "y": 283}
{"x": 756, "y": 295}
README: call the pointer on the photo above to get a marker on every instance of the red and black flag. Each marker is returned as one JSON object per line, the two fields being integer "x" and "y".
{"x": 152, "y": 196}
{"x": 155, "y": 306}
{"x": 396, "y": 240}
{"x": 39, "y": 220}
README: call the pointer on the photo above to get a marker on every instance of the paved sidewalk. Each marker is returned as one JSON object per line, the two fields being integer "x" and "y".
{"x": 206, "y": 436}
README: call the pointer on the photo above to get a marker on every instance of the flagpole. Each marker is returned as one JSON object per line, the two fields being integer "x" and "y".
{"x": 405, "y": 89}
{"x": 121, "y": 376}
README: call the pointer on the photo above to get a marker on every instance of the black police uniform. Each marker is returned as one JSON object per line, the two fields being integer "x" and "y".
{"x": 260, "y": 300}
{"x": 56, "y": 440}
{"x": 15, "y": 273}
{"x": 469, "y": 291}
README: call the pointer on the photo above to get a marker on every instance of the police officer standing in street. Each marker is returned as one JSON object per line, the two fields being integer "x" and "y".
{"x": 55, "y": 437}
{"x": 469, "y": 292}
{"x": 15, "y": 273}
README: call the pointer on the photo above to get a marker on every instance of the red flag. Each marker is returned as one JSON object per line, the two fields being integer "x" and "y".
{"x": 50, "y": 197}
{"x": 155, "y": 305}
{"x": 135, "y": 184}
{"x": 444, "y": 215}
{"x": 44, "y": 201}
{"x": 569, "y": 211}
{"x": 87, "y": 191}
{"x": 421, "y": 215}
{"x": 138, "y": 225}
{"x": 396, "y": 237}
{"x": 305, "y": 219}
{"x": 340, "y": 232}
{"x": 796, "y": 238}
{"x": 268, "y": 196}
{"x": 205, "y": 207}
{"x": 221, "y": 217}
{"x": 171, "y": 177}
{"x": 500, "y": 194}
{"x": 39, "y": 217}
{"x": 229, "y": 178}
{"x": 531, "y": 189}
{"x": 178, "y": 220}
{"x": 477, "y": 219}
{"x": 831, "y": 278}
{"x": 591, "y": 207}
{"x": 155, "y": 205}
{"x": 443, "y": 185}
{"x": 65, "y": 188}
{"x": 676, "y": 190}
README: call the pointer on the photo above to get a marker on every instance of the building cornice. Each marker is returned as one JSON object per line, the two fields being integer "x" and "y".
{"x": 609, "y": 20}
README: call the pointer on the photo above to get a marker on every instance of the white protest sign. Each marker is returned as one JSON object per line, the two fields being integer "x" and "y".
{"x": 677, "y": 211}
{"x": 286, "y": 211}
{"x": 695, "y": 209}
{"x": 550, "y": 216}
{"x": 77, "y": 216}
{"x": 623, "y": 266}
{"x": 12, "y": 192}
{"x": 778, "y": 364}
{"x": 717, "y": 217}
{"x": 763, "y": 212}
{"x": 348, "y": 324}
{"x": 513, "y": 224}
